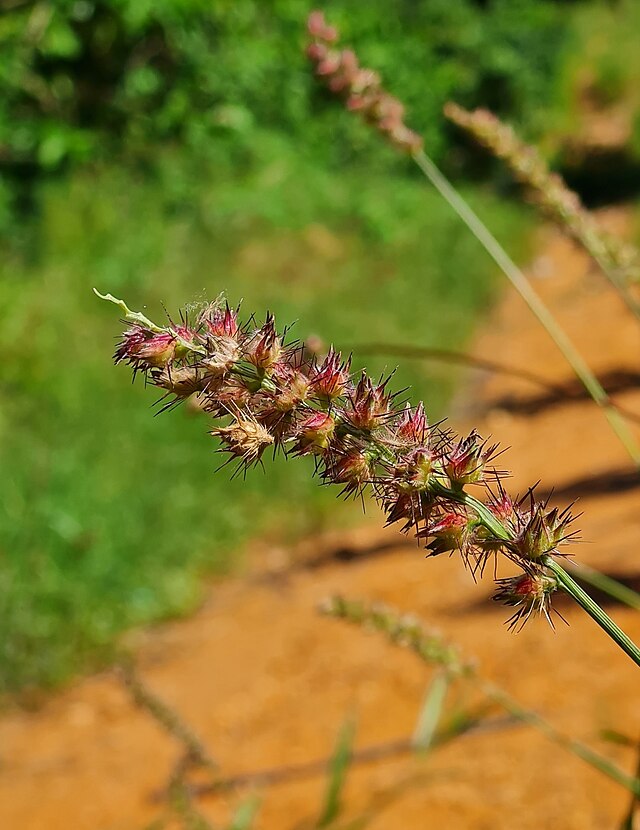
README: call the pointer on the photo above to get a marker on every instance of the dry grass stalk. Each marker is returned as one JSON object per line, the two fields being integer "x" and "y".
{"x": 620, "y": 261}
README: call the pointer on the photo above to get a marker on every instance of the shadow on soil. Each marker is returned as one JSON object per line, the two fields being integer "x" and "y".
{"x": 615, "y": 381}
{"x": 610, "y": 483}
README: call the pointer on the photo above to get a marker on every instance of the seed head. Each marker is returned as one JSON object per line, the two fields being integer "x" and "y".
{"x": 222, "y": 354}
{"x": 530, "y": 593}
{"x": 449, "y": 532}
{"x": 145, "y": 349}
{"x": 225, "y": 395}
{"x": 412, "y": 426}
{"x": 220, "y": 322}
{"x": 502, "y": 505}
{"x": 549, "y": 190}
{"x": 415, "y": 470}
{"x": 268, "y": 392}
{"x": 318, "y": 27}
{"x": 245, "y": 438}
{"x": 465, "y": 463}
{"x": 182, "y": 381}
{"x": 331, "y": 379}
{"x": 315, "y": 434}
{"x": 538, "y": 530}
{"x": 264, "y": 347}
{"x": 368, "y": 404}
{"x": 350, "y": 466}
{"x": 412, "y": 508}
{"x": 293, "y": 387}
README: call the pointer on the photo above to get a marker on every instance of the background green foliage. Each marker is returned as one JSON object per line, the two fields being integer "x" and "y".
{"x": 83, "y": 79}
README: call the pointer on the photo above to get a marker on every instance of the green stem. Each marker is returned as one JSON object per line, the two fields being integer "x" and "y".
{"x": 565, "y": 581}
{"x": 593, "y": 609}
{"x": 536, "y": 305}
{"x": 491, "y": 522}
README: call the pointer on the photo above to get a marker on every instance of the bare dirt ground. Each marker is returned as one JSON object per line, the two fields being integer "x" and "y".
{"x": 265, "y": 681}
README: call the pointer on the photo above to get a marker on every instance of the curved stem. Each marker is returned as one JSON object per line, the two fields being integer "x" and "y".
{"x": 565, "y": 581}
{"x": 536, "y": 305}
{"x": 606, "y": 584}
{"x": 488, "y": 519}
{"x": 381, "y": 349}
{"x": 568, "y": 584}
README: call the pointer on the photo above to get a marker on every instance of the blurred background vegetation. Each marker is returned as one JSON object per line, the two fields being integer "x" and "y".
{"x": 168, "y": 150}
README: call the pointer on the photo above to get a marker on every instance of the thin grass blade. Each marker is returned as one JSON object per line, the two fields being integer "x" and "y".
{"x": 245, "y": 814}
{"x": 338, "y": 773}
{"x": 431, "y": 712}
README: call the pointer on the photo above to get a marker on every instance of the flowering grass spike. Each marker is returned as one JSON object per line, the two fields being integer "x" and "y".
{"x": 264, "y": 392}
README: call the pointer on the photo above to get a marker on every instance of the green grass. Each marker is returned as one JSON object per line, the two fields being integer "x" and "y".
{"x": 109, "y": 517}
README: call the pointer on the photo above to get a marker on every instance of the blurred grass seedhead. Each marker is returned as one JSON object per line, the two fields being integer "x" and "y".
{"x": 620, "y": 261}
{"x": 96, "y": 80}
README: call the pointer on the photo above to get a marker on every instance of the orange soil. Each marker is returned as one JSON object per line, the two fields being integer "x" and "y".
{"x": 265, "y": 681}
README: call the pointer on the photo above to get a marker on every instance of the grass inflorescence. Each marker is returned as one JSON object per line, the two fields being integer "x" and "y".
{"x": 619, "y": 260}
{"x": 265, "y": 391}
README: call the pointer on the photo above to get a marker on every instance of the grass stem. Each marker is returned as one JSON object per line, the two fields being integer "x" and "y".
{"x": 592, "y": 608}
{"x": 531, "y": 298}
{"x": 565, "y": 580}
